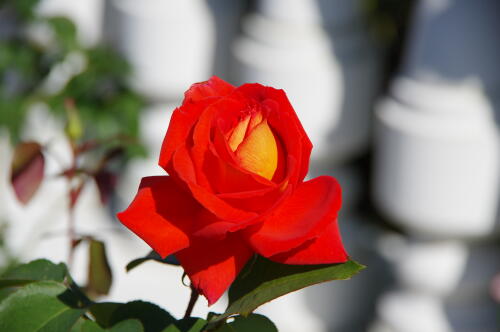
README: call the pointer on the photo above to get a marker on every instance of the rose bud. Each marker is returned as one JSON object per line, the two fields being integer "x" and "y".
{"x": 236, "y": 159}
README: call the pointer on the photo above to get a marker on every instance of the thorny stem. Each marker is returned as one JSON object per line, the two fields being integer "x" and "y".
{"x": 71, "y": 227}
{"x": 73, "y": 194}
{"x": 192, "y": 302}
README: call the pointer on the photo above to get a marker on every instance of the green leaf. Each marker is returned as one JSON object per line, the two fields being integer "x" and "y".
{"x": 152, "y": 317}
{"x": 191, "y": 324}
{"x": 37, "y": 270}
{"x": 263, "y": 280}
{"x": 12, "y": 110}
{"x": 153, "y": 255}
{"x": 171, "y": 328}
{"x": 5, "y": 292}
{"x": 129, "y": 325}
{"x": 99, "y": 271}
{"x": 90, "y": 326}
{"x": 253, "y": 322}
{"x": 25, "y": 8}
{"x": 103, "y": 312}
{"x": 41, "y": 307}
{"x": 65, "y": 31}
{"x": 27, "y": 170}
{"x": 77, "y": 327}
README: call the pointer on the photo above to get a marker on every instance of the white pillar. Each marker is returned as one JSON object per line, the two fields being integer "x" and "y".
{"x": 227, "y": 16}
{"x": 170, "y": 44}
{"x": 319, "y": 53}
{"x": 437, "y": 169}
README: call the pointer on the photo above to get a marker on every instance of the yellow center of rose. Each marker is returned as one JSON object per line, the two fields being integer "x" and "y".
{"x": 254, "y": 145}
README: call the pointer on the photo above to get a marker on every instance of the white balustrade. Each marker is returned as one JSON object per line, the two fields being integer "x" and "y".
{"x": 437, "y": 159}
{"x": 170, "y": 44}
{"x": 437, "y": 170}
{"x": 226, "y": 15}
{"x": 319, "y": 53}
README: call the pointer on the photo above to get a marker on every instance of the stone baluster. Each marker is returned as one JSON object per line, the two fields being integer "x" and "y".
{"x": 436, "y": 170}
{"x": 170, "y": 44}
{"x": 227, "y": 16}
{"x": 319, "y": 53}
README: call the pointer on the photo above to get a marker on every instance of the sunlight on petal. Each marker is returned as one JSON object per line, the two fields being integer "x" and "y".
{"x": 238, "y": 133}
{"x": 258, "y": 153}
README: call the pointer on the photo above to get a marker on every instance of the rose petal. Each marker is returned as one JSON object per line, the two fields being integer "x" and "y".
{"x": 213, "y": 265}
{"x": 325, "y": 249}
{"x": 283, "y": 169}
{"x": 214, "y": 87}
{"x": 238, "y": 133}
{"x": 181, "y": 123}
{"x": 216, "y": 230}
{"x": 255, "y": 121}
{"x": 258, "y": 153}
{"x": 283, "y": 121}
{"x": 205, "y": 197}
{"x": 161, "y": 214}
{"x": 209, "y": 169}
{"x": 302, "y": 216}
{"x": 224, "y": 108}
{"x": 253, "y": 200}
{"x": 272, "y": 193}
{"x": 225, "y": 178}
{"x": 263, "y": 199}
{"x": 210, "y": 226}
{"x": 218, "y": 206}
{"x": 229, "y": 175}
{"x": 196, "y": 100}
{"x": 294, "y": 142}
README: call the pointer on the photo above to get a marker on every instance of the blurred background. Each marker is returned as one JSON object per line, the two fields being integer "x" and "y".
{"x": 401, "y": 100}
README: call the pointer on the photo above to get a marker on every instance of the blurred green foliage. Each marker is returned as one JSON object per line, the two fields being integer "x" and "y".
{"x": 105, "y": 104}
{"x": 7, "y": 258}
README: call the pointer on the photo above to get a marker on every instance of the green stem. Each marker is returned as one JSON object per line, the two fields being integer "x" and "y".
{"x": 71, "y": 228}
{"x": 192, "y": 302}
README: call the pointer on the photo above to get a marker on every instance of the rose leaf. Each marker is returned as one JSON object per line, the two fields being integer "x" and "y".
{"x": 106, "y": 182}
{"x": 191, "y": 324}
{"x": 99, "y": 271}
{"x": 152, "y": 317}
{"x": 39, "y": 306}
{"x": 253, "y": 322}
{"x": 263, "y": 280}
{"x": 37, "y": 270}
{"x": 153, "y": 255}
{"x": 27, "y": 170}
{"x": 129, "y": 325}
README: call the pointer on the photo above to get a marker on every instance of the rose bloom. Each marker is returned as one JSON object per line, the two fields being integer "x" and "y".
{"x": 236, "y": 159}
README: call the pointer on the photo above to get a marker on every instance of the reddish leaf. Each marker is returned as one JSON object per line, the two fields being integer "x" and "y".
{"x": 75, "y": 192}
{"x": 99, "y": 271}
{"x": 27, "y": 170}
{"x": 113, "y": 153}
{"x": 106, "y": 182}
{"x": 86, "y": 146}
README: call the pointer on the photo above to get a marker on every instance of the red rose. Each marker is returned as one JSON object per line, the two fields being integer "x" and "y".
{"x": 236, "y": 159}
